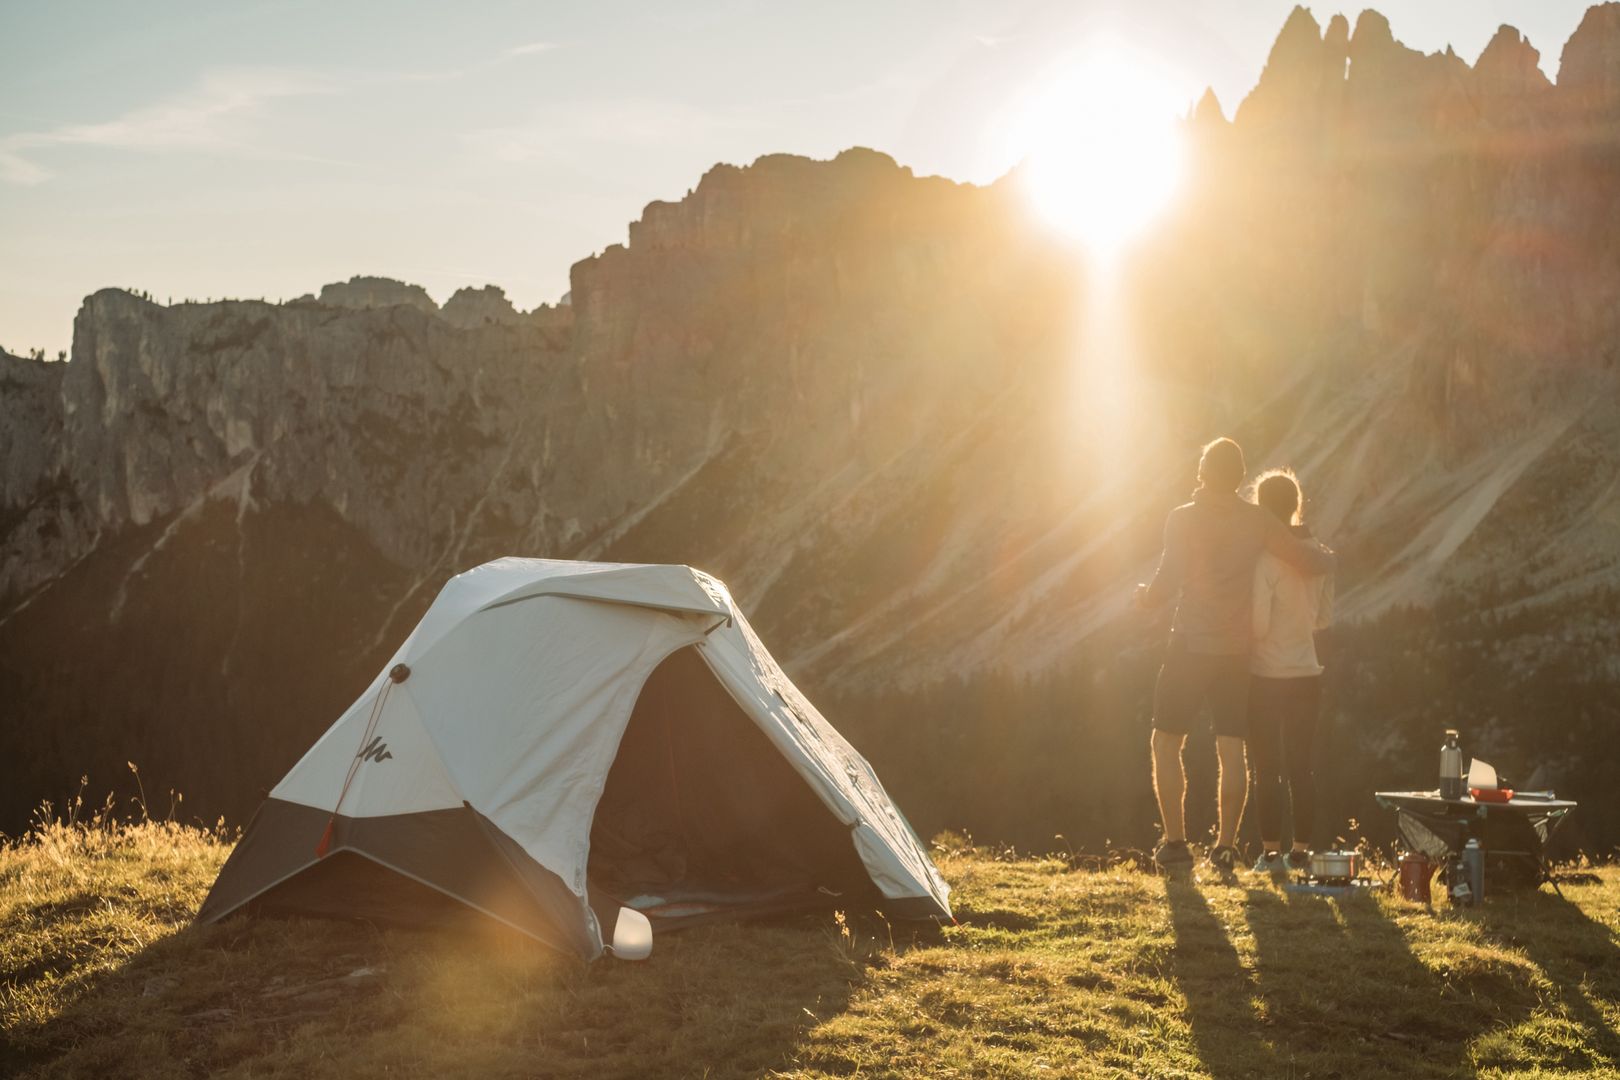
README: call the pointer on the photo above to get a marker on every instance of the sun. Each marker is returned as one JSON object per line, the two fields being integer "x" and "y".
{"x": 1102, "y": 145}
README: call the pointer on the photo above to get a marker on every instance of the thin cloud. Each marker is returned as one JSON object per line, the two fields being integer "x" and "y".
{"x": 452, "y": 74}
{"x": 207, "y": 118}
{"x": 211, "y": 116}
{"x": 531, "y": 48}
{"x": 557, "y": 131}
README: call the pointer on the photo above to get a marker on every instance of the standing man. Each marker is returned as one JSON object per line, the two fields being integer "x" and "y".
{"x": 1211, "y": 545}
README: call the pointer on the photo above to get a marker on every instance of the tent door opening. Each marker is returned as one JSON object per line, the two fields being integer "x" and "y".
{"x": 702, "y": 816}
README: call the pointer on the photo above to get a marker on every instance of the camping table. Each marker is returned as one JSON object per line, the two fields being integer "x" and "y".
{"x": 1516, "y": 829}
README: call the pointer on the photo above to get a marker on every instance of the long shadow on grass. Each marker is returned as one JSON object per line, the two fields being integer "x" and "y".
{"x": 1577, "y": 953}
{"x": 315, "y": 998}
{"x": 161, "y": 1005}
{"x": 1219, "y": 991}
{"x": 1343, "y": 991}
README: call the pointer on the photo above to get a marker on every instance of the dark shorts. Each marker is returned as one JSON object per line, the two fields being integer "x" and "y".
{"x": 1189, "y": 681}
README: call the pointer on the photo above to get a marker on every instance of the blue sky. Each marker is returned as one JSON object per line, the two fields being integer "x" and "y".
{"x": 263, "y": 149}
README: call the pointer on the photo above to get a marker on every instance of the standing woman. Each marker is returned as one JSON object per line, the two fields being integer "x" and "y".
{"x": 1285, "y": 688}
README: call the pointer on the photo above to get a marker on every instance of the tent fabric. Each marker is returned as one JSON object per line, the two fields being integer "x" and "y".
{"x": 456, "y": 853}
{"x": 515, "y": 693}
{"x": 894, "y": 856}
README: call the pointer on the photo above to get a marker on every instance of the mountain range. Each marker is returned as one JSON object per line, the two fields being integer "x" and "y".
{"x": 929, "y": 446}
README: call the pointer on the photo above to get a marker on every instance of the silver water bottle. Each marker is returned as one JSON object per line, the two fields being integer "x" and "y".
{"x": 1458, "y": 889}
{"x": 1473, "y": 860}
{"x": 1452, "y": 784}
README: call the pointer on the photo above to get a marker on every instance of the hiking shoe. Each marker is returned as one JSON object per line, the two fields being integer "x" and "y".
{"x": 1172, "y": 855}
{"x": 1225, "y": 859}
{"x": 1272, "y": 862}
{"x": 1298, "y": 861}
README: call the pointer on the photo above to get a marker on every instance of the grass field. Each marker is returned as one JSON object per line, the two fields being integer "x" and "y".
{"x": 1052, "y": 971}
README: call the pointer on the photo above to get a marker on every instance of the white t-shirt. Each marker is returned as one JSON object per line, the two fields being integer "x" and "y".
{"x": 1289, "y": 608}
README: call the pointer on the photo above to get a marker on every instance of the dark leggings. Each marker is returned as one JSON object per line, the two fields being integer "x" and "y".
{"x": 1282, "y": 728}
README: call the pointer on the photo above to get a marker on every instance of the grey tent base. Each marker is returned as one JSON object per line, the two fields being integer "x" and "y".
{"x": 435, "y": 868}
{"x": 455, "y": 855}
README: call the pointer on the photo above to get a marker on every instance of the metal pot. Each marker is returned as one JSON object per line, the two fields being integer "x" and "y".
{"x": 1334, "y": 865}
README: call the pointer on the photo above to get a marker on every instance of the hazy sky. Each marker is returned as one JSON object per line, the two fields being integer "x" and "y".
{"x": 263, "y": 149}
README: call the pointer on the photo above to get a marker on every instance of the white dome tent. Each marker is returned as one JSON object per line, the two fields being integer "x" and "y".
{"x": 585, "y": 752}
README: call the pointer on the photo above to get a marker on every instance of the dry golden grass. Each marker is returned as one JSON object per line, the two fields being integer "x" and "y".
{"x": 1053, "y": 971}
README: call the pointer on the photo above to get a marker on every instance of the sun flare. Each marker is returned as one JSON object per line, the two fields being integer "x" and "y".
{"x": 1102, "y": 146}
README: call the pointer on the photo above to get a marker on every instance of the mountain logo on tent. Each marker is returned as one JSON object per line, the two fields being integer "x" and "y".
{"x": 375, "y": 750}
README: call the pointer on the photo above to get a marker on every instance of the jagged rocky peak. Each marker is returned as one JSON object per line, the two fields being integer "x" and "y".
{"x": 1396, "y": 92}
{"x": 1336, "y": 38}
{"x": 1510, "y": 64}
{"x": 1377, "y": 60}
{"x": 1315, "y": 77}
{"x": 778, "y": 191}
{"x": 754, "y": 211}
{"x": 115, "y": 299}
{"x": 469, "y": 307}
{"x": 1208, "y": 111}
{"x": 1373, "y": 32}
{"x": 1303, "y": 73}
{"x": 1297, "y": 41}
{"x": 1589, "y": 67}
{"x": 376, "y": 292}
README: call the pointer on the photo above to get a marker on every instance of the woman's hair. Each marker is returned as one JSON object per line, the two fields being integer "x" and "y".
{"x": 1221, "y": 467}
{"x": 1278, "y": 491}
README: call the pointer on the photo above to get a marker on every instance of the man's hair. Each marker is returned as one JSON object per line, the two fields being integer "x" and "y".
{"x": 1221, "y": 468}
{"x": 1278, "y": 491}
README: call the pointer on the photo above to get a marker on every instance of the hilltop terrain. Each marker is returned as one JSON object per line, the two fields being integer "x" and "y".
{"x": 1084, "y": 969}
{"x": 926, "y": 445}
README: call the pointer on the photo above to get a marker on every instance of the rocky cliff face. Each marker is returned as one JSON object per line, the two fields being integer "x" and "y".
{"x": 1423, "y": 178}
{"x": 873, "y": 402}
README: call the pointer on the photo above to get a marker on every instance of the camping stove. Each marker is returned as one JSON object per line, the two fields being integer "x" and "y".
{"x": 1332, "y": 873}
{"x": 1333, "y": 867}
{"x": 1312, "y": 887}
